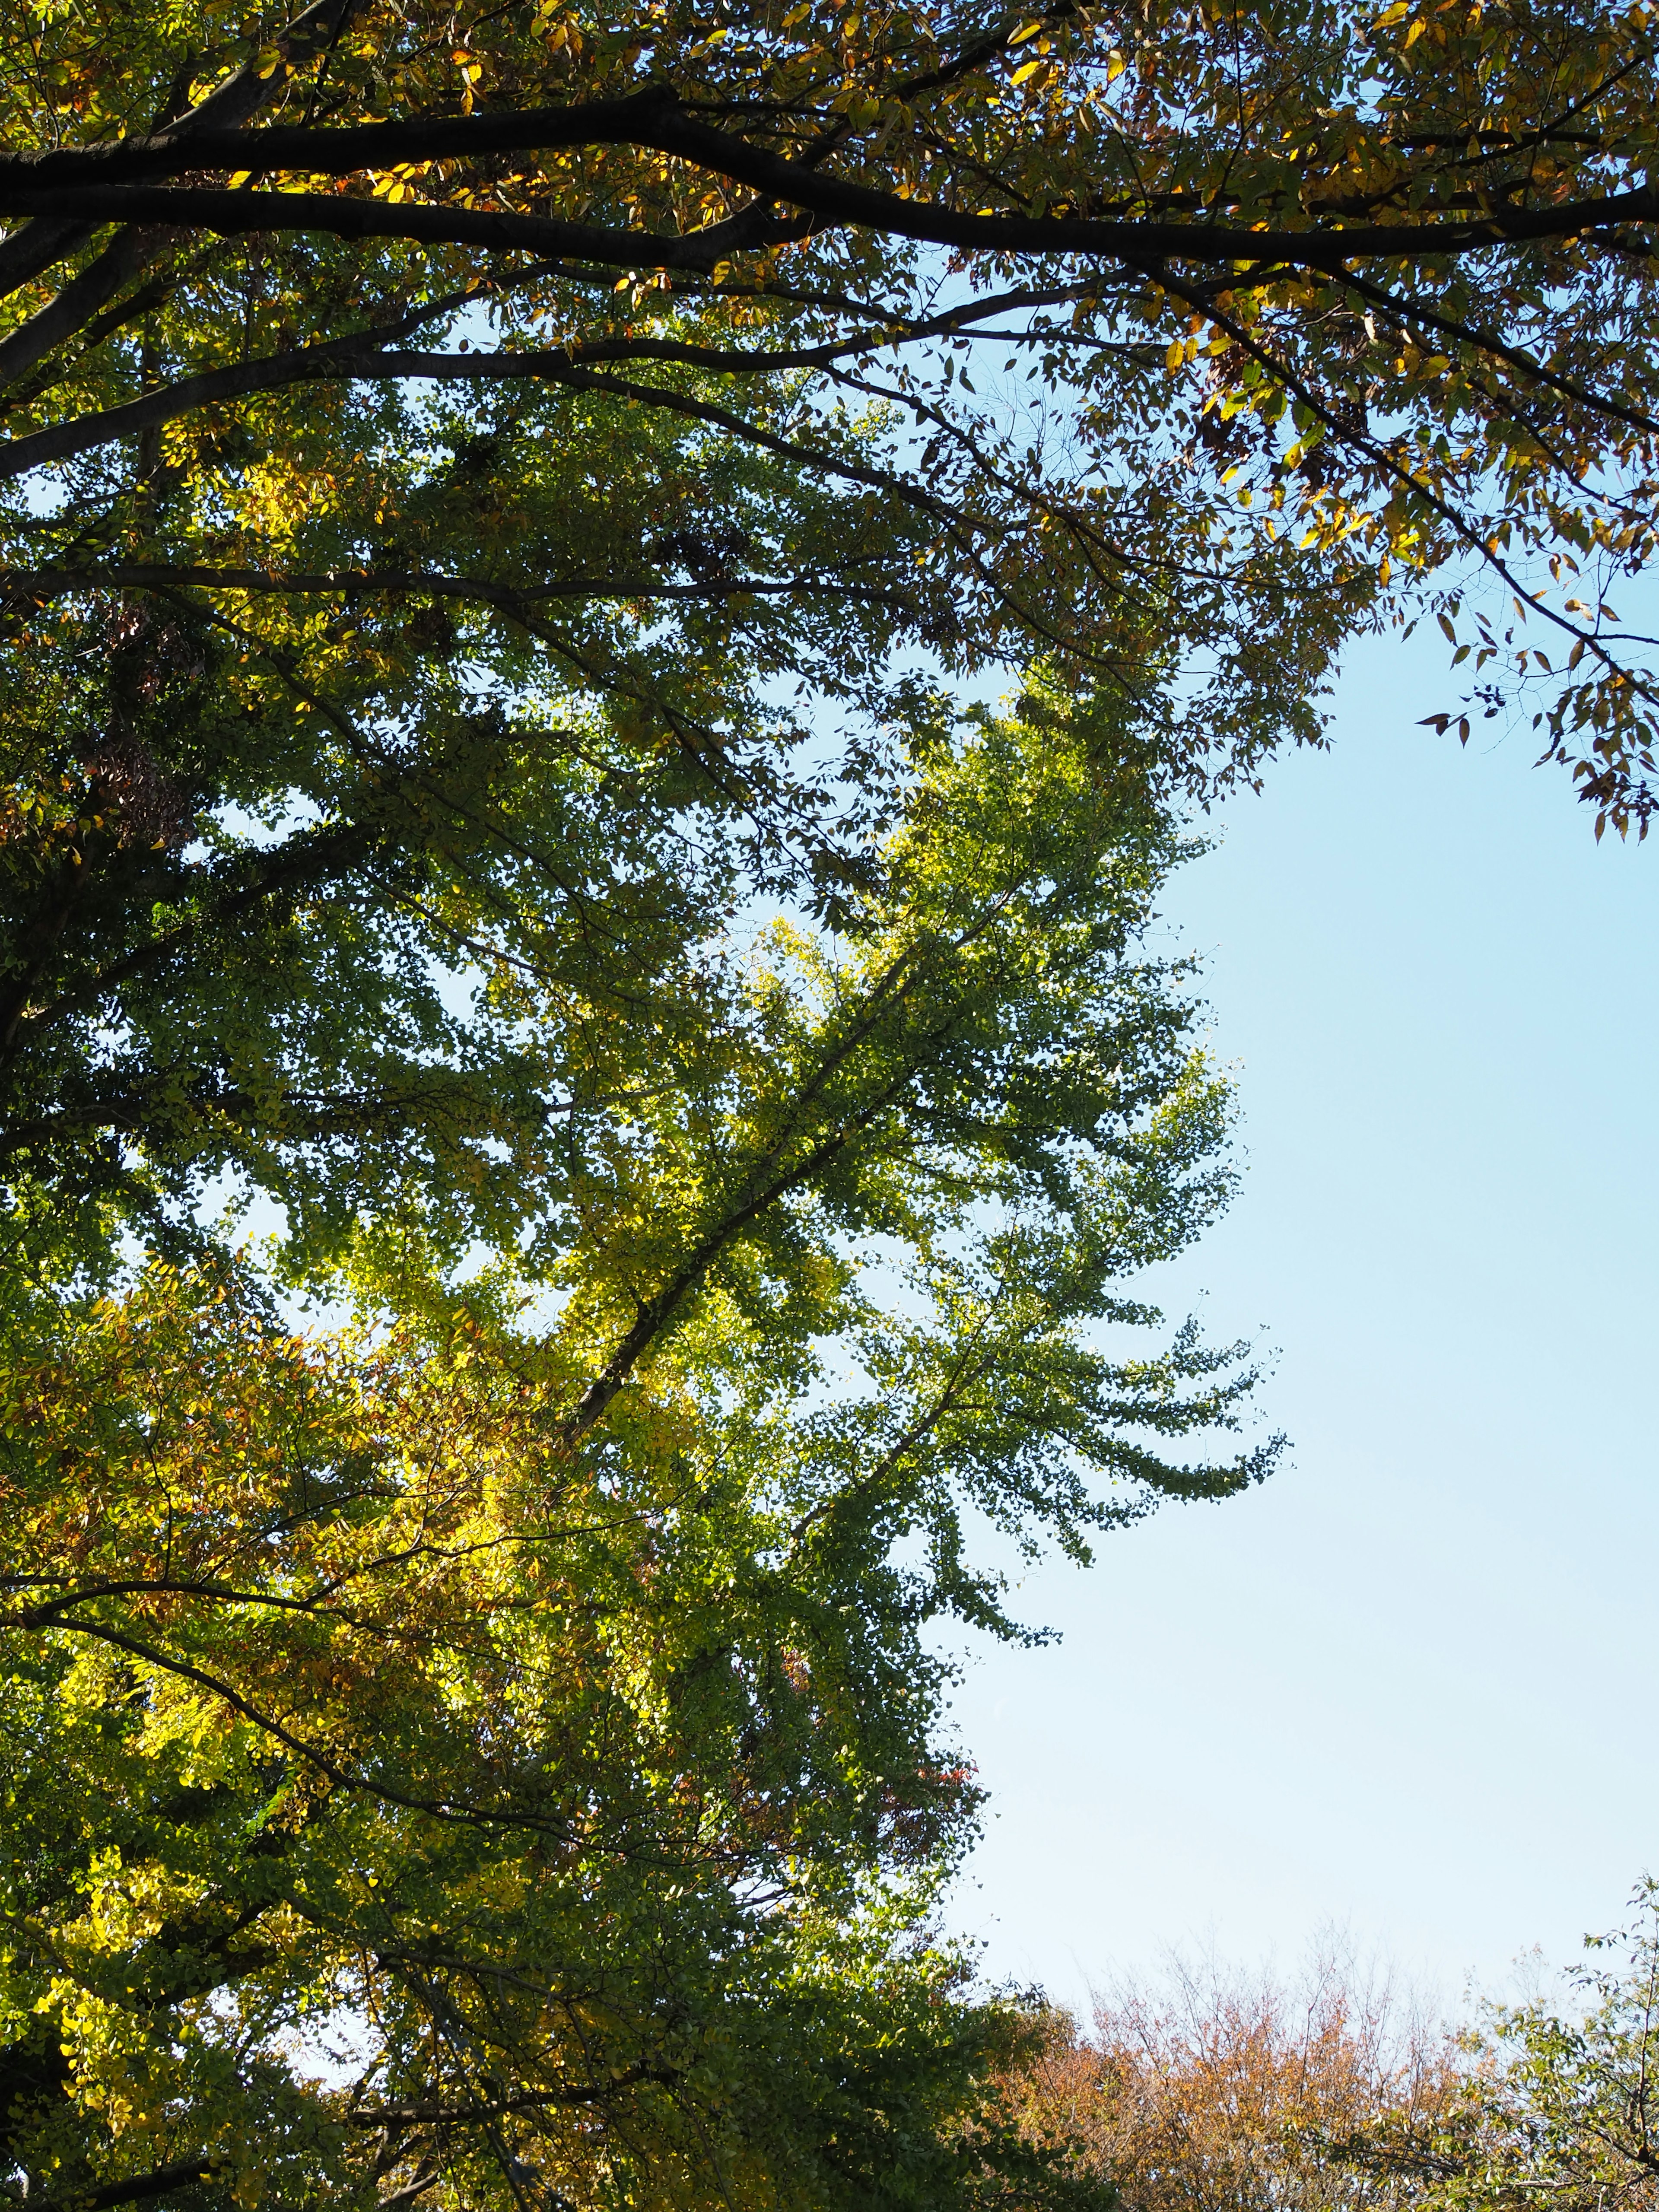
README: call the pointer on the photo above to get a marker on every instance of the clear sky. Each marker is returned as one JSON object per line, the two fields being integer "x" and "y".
{"x": 1408, "y": 1687}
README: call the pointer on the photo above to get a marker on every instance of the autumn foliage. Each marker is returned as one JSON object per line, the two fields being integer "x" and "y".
{"x": 580, "y": 1111}
{"x": 1210, "y": 2091}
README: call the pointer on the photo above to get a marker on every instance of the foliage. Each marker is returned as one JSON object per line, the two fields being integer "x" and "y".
{"x": 477, "y": 616}
{"x": 1280, "y": 323}
{"x": 530, "y": 1694}
{"x": 360, "y": 1711}
{"x": 1570, "y": 2112}
{"x": 426, "y": 915}
{"x": 1213, "y": 2090}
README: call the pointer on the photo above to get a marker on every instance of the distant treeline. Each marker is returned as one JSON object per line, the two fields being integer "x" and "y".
{"x": 1212, "y": 2091}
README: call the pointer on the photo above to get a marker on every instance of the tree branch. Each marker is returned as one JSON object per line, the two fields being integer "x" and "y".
{"x": 142, "y": 2188}
{"x": 237, "y": 214}
{"x": 40, "y": 584}
{"x": 106, "y": 185}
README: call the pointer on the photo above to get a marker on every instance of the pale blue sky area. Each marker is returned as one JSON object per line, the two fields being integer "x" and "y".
{"x": 1409, "y": 1686}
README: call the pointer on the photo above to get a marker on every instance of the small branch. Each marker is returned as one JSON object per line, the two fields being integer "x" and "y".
{"x": 528, "y": 2101}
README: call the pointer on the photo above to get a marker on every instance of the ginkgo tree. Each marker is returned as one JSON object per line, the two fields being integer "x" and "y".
{"x": 497, "y": 1753}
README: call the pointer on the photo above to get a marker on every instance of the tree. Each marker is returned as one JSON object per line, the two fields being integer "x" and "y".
{"x": 1568, "y": 2101}
{"x": 1325, "y": 315}
{"x": 535, "y": 1703}
{"x": 480, "y": 623}
{"x": 1217, "y": 2091}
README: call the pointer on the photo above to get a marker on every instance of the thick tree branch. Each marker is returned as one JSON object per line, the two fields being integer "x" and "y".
{"x": 304, "y": 859}
{"x": 1406, "y": 311}
{"x": 357, "y": 354}
{"x": 77, "y": 303}
{"x": 1414, "y": 488}
{"x": 343, "y": 357}
{"x": 142, "y": 2188}
{"x": 576, "y": 2093}
{"x": 238, "y": 214}
{"x": 106, "y": 184}
{"x": 361, "y": 358}
{"x": 338, "y": 1776}
{"x": 50, "y": 238}
{"x": 771, "y": 1177}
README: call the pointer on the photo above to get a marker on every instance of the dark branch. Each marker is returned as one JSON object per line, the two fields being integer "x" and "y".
{"x": 527, "y": 2100}
{"x": 140, "y": 2188}
{"x": 41, "y": 584}
{"x": 106, "y": 184}
{"x": 236, "y": 215}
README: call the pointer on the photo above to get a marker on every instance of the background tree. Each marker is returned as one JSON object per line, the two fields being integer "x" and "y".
{"x": 1568, "y": 2111}
{"x": 1213, "y": 2091}
{"x": 1209, "y": 2090}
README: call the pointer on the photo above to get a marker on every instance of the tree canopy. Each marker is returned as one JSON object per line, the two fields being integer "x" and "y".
{"x": 1210, "y": 2086}
{"x": 498, "y": 1753}
{"x": 511, "y": 520}
{"x": 1163, "y": 338}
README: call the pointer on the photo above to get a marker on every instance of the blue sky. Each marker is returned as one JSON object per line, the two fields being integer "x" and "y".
{"x": 1408, "y": 1687}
